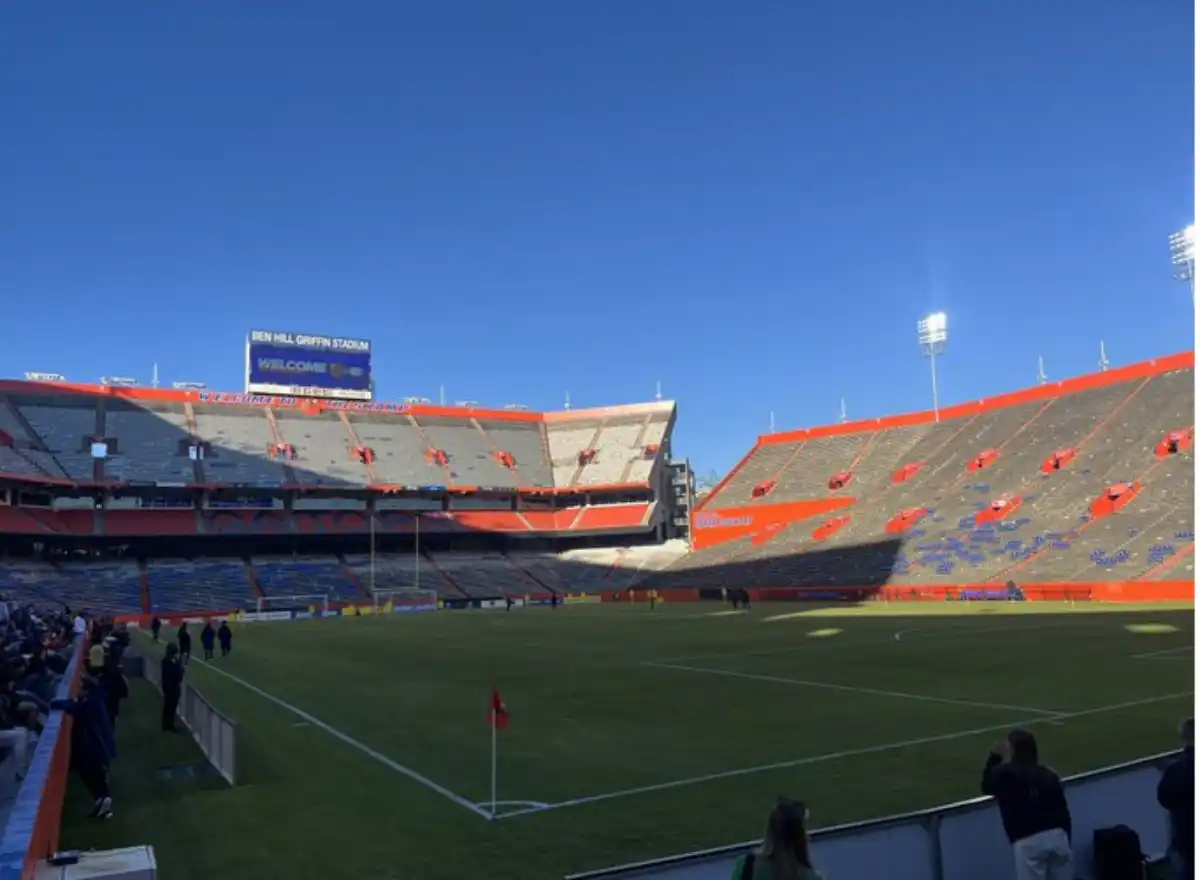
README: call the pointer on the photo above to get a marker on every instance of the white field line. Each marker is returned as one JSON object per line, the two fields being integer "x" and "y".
{"x": 956, "y": 631}
{"x": 1165, "y": 653}
{"x": 851, "y": 689}
{"x": 352, "y": 742}
{"x": 835, "y": 756}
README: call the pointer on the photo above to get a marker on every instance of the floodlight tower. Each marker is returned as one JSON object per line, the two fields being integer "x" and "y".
{"x": 932, "y": 335}
{"x": 1183, "y": 256}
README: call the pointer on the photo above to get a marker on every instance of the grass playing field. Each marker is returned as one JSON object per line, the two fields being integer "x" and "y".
{"x": 633, "y": 733}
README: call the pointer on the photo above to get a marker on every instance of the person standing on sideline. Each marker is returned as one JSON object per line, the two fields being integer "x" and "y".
{"x": 208, "y": 636}
{"x": 225, "y": 637}
{"x": 185, "y": 643}
{"x": 171, "y": 679}
{"x": 155, "y": 628}
{"x": 1177, "y": 795}
{"x": 1033, "y": 808}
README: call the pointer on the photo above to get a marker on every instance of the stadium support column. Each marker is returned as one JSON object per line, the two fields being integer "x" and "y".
{"x": 931, "y": 336}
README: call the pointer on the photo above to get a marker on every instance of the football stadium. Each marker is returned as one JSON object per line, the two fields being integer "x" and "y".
{"x": 496, "y": 642}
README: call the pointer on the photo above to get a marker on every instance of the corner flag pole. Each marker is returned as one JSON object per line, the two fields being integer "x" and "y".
{"x": 495, "y": 725}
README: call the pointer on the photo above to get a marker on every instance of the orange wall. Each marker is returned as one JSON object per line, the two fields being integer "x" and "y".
{"x": 711, "y": 527}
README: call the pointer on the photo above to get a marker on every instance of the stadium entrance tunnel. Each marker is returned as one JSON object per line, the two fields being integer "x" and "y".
{"x": 998, "y": 510}
{"x": 1175, "y": 442}
{"x": 840, "y": 480}
{"x": 984, "y": 459}
{"x": 1058, "y": 460}
{"x": 906, "y": 473}
{"x": 1114, "y": 498}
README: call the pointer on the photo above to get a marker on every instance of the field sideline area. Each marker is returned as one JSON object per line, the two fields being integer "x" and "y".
{"x": 364, "y": 743}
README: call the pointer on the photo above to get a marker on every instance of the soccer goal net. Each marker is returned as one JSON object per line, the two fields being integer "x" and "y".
{"x": 389, "y": 598}
{"x": 311, "y": 602}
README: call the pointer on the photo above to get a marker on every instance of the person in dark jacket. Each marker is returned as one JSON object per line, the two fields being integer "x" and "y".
{"x": 225, "y": 637}
{"x": 171, "y": 679}
{"x": 185, "y": 643}
{"x": 116, "y": 688}
{"x": 155, "y": 628}
{"x": 1033, "y": 808}
{"x": 208, "y": 637}
{"x": 1177, "y": 795}
{"x": 93, "y": 748}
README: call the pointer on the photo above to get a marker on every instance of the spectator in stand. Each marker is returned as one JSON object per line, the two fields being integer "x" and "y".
{"x": 171, "y": 680}
{"x": 185, "y": 643}
{"x": 80, "y": 624}
{"x": 208, "y": 637}
{"x": 1033, "y": 808}
{"x": 1177, "y": 795}
{"x": 155, "y": 628}
{"x": 92, "y": 745}
{"x": 14, "y": 729}
{"x": 225, "y": 637}
{"x": 784, "y": 854}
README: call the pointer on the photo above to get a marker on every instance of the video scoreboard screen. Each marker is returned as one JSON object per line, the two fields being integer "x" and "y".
{"x": 305, "y": 365}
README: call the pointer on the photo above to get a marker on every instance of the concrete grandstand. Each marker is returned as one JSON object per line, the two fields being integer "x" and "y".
{"x": 181, "y": 501}
{"x": 140, "y": 501}
{"x": 1086, "y": 481}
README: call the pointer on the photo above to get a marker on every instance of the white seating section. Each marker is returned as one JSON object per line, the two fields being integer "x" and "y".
{"x": 148, "y": 445}
{"x": 239, "y": 441}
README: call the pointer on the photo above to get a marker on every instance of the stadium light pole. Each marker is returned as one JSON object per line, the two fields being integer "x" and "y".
{"x": 932, "y": 335}
{"x": 1183, "y": 256}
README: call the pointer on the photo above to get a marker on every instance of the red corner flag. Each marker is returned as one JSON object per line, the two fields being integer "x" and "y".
{"x": 498, "y": 716}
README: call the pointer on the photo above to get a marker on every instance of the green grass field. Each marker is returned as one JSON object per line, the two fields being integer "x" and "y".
{"x": 633, "y": 733}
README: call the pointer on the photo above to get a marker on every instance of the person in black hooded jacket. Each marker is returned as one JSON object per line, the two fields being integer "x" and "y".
{"x": 1177, "y": 795}
{"x": 1033, "y": 808}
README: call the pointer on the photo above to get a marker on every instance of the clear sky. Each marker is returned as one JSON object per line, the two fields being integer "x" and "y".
{"x": 751, "y": 202}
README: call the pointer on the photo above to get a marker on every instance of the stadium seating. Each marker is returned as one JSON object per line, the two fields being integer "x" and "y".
{"x": 401, "y": 572}
{"x": 63, "y": 428}
{"x": 524, "y": 441}
{"x": 1014, "y": 517}
{"x": 240, "y": 438}
{"x": 101, "y": 588}
{"x": 307, "y": 576}
{"x": 203, "y": 585}
{"x": 324, "y": 448}
{"x": 151, "y": 444}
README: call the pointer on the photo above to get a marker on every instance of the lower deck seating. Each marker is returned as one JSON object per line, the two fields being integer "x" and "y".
{"x": 307, "y": 577}
{"x": 400, "y": 572}
{"x": 180, "y": 585}
{"x": 109, "y": 588}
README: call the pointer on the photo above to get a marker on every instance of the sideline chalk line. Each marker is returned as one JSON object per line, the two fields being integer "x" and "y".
{"x": 848, "y": 753}
{"x": 875, "y": 692}
{"x": 1165, "y": 653}
{"x": 949, "y": 631}
{"x": 351, "y": 741}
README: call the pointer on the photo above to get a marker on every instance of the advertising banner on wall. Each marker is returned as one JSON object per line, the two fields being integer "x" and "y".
{"x": 308, "y": 365}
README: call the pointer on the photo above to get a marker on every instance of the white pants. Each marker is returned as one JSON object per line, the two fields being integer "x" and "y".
{"x": 1044, "y": 856}
{"x": 17, "y": 739}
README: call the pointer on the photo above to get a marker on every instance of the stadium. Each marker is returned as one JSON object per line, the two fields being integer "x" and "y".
{"x": 389, "y": 569}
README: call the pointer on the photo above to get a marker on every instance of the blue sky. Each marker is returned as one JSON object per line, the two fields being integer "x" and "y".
{"x": 751, "y": 202}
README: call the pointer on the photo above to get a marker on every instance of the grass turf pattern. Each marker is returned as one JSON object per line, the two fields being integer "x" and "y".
{"x": 634, "y": 733}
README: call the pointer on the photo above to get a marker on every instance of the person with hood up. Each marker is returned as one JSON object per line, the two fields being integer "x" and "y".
{"x": 785, "y": 853}
{"x": 208, "y": 637}
{"x": 93, "y": 748}
{"x": 225, "y": 637}
{"x": 1177, "y": 795}
{"x": 185, "y": 643}
{"x": 1033, "y": 808}
{"x": 155, "y": 628}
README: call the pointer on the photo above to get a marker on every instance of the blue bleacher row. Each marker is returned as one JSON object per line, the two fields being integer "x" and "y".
{"x": 181, "y": 585}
